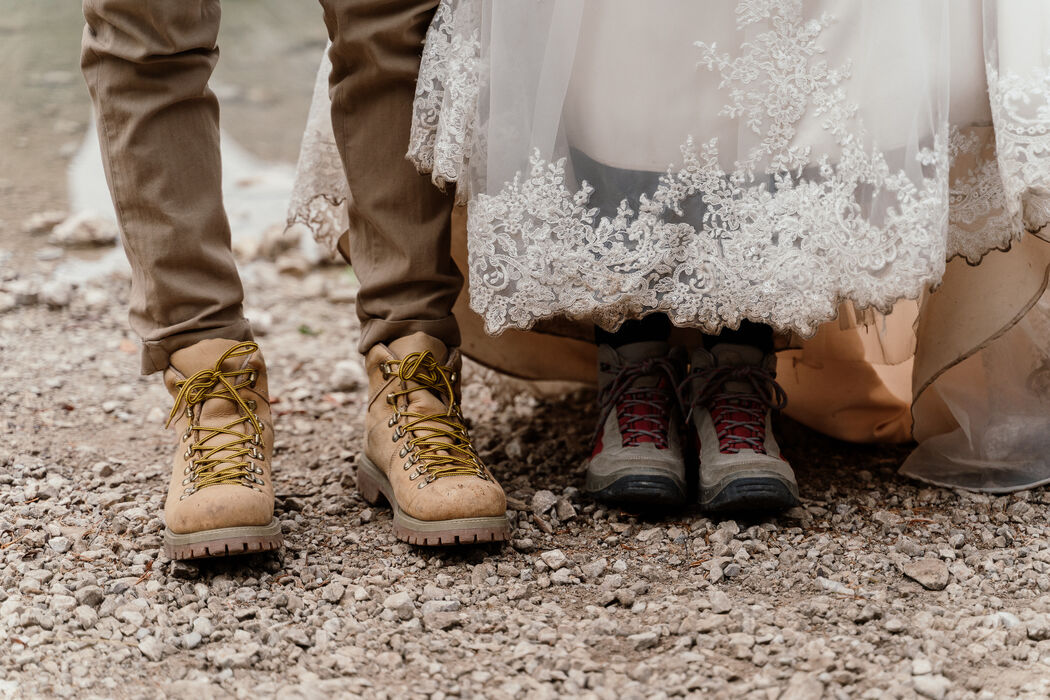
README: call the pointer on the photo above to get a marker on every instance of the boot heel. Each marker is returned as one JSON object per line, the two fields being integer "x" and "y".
{"x": 367, "y": 485}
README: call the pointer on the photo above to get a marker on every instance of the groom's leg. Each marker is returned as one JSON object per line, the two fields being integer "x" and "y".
{"x": 400, "y": 223}
{"x": 400, "y": 248}
{"x": 147, "y": 64}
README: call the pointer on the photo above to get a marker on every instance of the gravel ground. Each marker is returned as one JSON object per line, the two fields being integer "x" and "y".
{"x": 876, "y": 587}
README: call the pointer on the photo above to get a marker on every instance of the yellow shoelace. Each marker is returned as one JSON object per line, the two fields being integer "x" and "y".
{"x": 209, "y": 467}
{"x": 439, "y": 444}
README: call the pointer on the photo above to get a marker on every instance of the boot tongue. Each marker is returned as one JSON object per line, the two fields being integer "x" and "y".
{"x": 729, "y": 355}
{"x": 419, "y": 342}
{"x": 216, "y": 412}
{"x": 422, "y": 401}
{"x": 612, "y": 359}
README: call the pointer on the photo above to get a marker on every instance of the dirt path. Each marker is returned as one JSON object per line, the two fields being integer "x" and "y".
{"x": 585, "y": 601}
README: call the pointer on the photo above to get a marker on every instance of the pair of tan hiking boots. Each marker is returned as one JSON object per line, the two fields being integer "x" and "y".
{"x": 418, "y": 454}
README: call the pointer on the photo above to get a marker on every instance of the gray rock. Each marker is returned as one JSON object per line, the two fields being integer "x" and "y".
{"x": 720, "y": 602}
{"x": 1038, "y": 628}
{"x": 931, "y": 574}
{"x": 644, "y": 640}
{"x": 934, "y": 687}
{"x": 594, "y": 569}
{"x": 151, "y": 648}
{"x": 554, "y": 558}
{"x": 803, "y": 686}
{"x": 90, "y": 595}
{"x": 542, "y": 501}
{"x": 85, "y": 229}
{"x": 400, "y": 604}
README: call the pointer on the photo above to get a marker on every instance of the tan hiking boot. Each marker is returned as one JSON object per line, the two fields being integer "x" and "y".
{"x": 418, "y": 454}
{"x": 220, "y": 499}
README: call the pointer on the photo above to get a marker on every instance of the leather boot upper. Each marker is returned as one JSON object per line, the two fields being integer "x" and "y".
{"x": 221, "y": 475}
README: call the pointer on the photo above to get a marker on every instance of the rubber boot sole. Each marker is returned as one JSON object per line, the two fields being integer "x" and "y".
{"x": 223, "y": 542}
{"x": 755, "y": 495}
{"x": 639, "y": 490}
{"x": 374, "y": 486}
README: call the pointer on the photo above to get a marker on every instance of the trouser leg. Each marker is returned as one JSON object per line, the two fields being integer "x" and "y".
{"x": 147, "y": 64}
{"x": 400, "y": 223}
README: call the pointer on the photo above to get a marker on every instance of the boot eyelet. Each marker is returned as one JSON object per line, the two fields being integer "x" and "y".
{"x": 186, "y": 435}
{"x": 403, "y": 451}
{"x": 187, "y": 470}
{"x": 391, "y": 399}
{"x": 257, "y": 439}
{"x": 190, "y": 491}
{"x": 252, "y": 404}
{"x": 413, "y": 476}
{"x": 407, "y": 466}
{"x": 188, "y": 453}
{"x": 189, "y": 412}
{"x": 252, "y": 378}
{"x": 413, "y": 458}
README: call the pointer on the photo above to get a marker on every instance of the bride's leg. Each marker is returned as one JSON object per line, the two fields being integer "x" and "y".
{"x": 731, "y": 395}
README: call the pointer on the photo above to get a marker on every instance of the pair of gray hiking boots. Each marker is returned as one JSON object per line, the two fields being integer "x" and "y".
{"x": 655, "y": 404}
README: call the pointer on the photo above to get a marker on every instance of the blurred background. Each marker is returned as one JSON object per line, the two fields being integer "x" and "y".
{"x": 49, "y": 161}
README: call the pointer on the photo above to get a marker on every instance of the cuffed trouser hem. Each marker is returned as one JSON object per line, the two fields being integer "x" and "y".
{"x": 375, "y": 331}
{"x": 156, "y": 354}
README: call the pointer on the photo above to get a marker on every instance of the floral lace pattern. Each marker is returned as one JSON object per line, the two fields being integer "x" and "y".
{"x": 445, "y": 109}
{"x": 770, "y": 245}
{"x": 1021, "y": 111}
{"x": 783, "y": 239}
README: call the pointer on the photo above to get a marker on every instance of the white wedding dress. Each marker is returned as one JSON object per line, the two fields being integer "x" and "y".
{"x": 789, "y": 162}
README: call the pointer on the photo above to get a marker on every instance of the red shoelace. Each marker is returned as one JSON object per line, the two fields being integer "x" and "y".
{"x": 642, "y": 413}
{"x": 739, "y": 418}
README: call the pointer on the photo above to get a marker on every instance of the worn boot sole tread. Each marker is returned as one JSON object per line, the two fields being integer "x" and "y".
{"x": 641, "y": 490}
{"x": 224, "y": 542}
{"x": 373, "y": 486}
{"x": 755, "y": 494}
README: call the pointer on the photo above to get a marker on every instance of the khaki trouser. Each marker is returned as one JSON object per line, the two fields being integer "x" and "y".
{"x": 147, "y": 65}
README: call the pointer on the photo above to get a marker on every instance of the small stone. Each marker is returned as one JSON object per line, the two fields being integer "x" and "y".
{"x": 594, "y": 569}
{"x": 440, "y": 620}
{"x": 184, "y": 570}
{"x": 298, "y": 637}
{"x": 894, "y": 625}
{"x": 934, "y": 687}
{"x": 152, "y": 648}
{"x": 644, "y": 640}
{"x": 1038, "y": 628}
{"x": 439, "y": 606}
{"x": 57, "y": 294}
{"x": 554, "y": 558}
{"x": 542, "y": 501}
{"x": 921, "y": 667}
{"x": 191, "y": 640}
{"x": 347, "y": 375}
{"x": 564, "y": 510}
{"x": 562, "y": 576}
{"x": 203, "y": 626}
{"x": 720, "y": 602}
{"x": 86, "y": 617}
{"x": 60, "y": 544}
{"x": 731, "y": 570}
{"x": 803, "y": 686}
{"x": 63, "y": 603}
{"x": 333, "y": 592}
{"x": 400, "y": 604}
{"x": 85, "y": 229}
{"x": 931, "y": 574}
